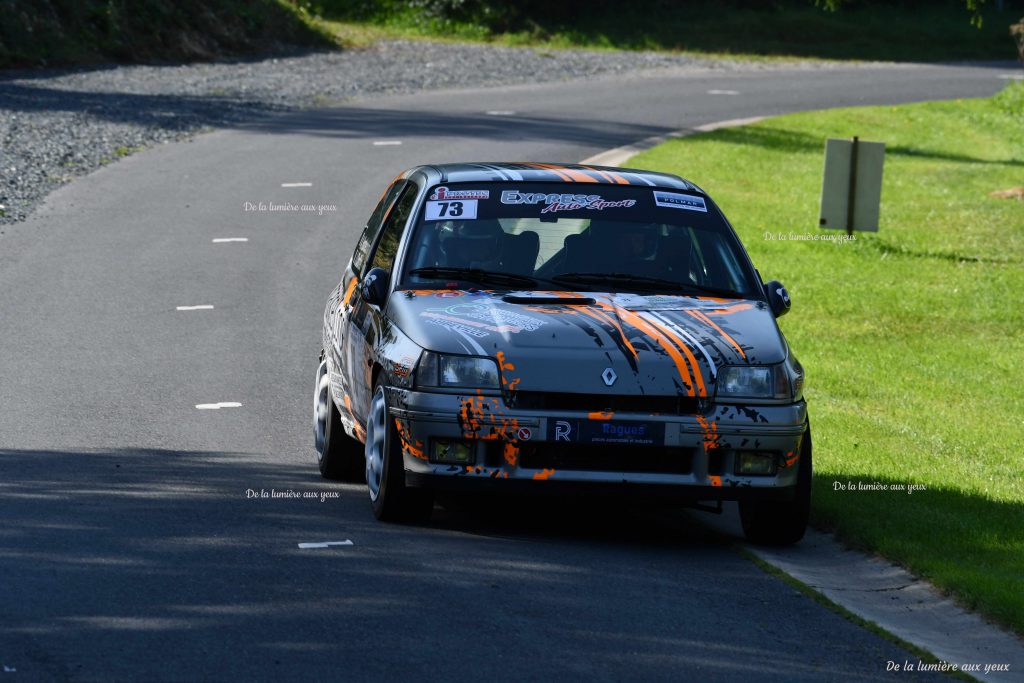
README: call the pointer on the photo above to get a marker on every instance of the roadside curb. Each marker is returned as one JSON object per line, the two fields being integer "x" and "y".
{"x": 867, "y": 586}
{"x": 905, "y": 606}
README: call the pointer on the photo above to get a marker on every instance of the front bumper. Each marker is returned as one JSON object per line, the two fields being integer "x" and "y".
{"x": 682, "y": 456}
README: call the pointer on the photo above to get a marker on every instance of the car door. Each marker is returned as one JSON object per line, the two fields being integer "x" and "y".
{"x": 366, "y": 320}
{"x": 339, "y": 307}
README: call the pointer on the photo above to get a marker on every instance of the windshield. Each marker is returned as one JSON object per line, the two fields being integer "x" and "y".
{"x": 574, "y": 237}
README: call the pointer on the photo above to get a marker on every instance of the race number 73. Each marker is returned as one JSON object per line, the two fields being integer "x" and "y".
{"x": 438, "y": 211}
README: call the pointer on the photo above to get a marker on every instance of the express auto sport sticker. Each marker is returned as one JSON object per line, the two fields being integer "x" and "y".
{"x": 563, "y": 201}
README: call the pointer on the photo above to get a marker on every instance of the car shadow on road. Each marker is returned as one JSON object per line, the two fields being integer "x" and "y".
{"x": 587, "y": 519}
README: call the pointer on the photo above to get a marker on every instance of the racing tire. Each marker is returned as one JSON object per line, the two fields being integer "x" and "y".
{"x": 338, "y": 454}
{"x": 392, "y": 500}
{"x": 782, "y": 523}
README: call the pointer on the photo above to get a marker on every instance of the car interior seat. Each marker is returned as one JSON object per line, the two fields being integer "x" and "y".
{"x": 520, "y": 253}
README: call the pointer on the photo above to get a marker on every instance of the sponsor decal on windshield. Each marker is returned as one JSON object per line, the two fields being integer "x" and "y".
{"x": 444, "y": 194}
{"x": 563, "y": 201}
{"x": 674, "y": 200}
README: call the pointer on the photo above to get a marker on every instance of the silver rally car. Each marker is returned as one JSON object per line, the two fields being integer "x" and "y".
{"x": 530, "y": 327}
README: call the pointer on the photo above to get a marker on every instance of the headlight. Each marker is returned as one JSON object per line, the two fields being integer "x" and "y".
{"x": 468, "y": 372}
{"x": 782, "y": 381}
{"x": 753, "y": 381}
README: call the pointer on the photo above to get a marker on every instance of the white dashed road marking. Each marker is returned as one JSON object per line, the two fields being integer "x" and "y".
{"x": 296, "y": 184}
{"x": 386, "y": 143}
{"x": 723, "y": 92}
{"x": 501, "y": 112}
{"x": 222, "y": 240}
{"x": 201, "y": 307}
{"x": 218, "y": 406}
{"x": 1011, "y": 77}
{"x": 327, "y": 544}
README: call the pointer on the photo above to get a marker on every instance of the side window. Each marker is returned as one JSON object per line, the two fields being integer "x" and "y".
{"x": 373, "y": 226}
{"x": 391, "y": 235}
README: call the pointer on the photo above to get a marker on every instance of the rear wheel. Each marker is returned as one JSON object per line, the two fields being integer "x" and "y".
{"x": 338, "y": 454}
{"x": 392, "y": 500}
{"x": 782, "y": 523}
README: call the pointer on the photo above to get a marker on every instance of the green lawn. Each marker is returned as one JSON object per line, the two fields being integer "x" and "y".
{"x": 913, "y": 338}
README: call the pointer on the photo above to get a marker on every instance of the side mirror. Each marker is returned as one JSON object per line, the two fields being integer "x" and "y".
{"x": 374, "y": 286}
{"x": 778, "y": 298}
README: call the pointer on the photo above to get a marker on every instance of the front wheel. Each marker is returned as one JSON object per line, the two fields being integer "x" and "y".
{"x": 392, "y": 500}
{"x": 338, "y": 454}
{"x": 782, "y": 523}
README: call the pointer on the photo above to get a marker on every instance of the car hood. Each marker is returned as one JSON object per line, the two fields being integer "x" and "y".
{"x": 568, "y": 341}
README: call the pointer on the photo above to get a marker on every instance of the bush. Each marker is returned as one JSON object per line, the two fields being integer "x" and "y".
{"x": 1017, "y": 31}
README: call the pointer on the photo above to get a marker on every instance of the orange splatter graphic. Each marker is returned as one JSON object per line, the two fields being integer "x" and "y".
{"x": 479, "y": 412}
{"x": 511, "y": 453}
{"x": 715, "y": 481}
{"x": 360, "y": 432}
{"x": 711, "y": 435}
{"x": 348, "y": 291}
{"x": 506, "y": 368}
{"x": 543, "y": 475}
{"x": 600, "y": 415}
{"x": 415, "y": 450}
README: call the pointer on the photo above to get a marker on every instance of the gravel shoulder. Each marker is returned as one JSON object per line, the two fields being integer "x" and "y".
{"x": 56, "y": 125}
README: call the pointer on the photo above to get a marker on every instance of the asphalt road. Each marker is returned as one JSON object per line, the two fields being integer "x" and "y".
{"x": 129, "y": 548}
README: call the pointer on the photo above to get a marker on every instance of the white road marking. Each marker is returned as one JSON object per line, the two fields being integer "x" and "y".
{"x": 218, "y": 406}
{"x": 1011, "y": 77}
{"x": 723, "y": 92}
{"x": 200, "y": 307}
{"x": 386, "y": 143}
{"x": 326, "y": 544}
{"x": 296, "y": 184}
{"x": 619, "y": 155}
{"x": 501, "y": 112}
{"x": 222, "y": 240}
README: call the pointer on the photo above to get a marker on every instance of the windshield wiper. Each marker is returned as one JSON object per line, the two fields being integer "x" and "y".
{"x": 643, "y": 281}
{"x": 475, "y": 275}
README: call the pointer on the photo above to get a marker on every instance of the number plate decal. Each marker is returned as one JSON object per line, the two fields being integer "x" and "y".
{"x": 461, "y": 209}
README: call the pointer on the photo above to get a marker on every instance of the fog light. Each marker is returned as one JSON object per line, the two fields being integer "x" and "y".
{"x": 755, "y": 462}
{"x": 455, "y": 451}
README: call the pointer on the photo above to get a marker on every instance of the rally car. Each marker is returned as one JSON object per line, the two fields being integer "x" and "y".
{"x": 558, "y": 328}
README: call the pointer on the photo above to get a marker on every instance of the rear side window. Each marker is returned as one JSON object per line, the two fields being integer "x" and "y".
{"x": 391, "y": 235}
{"x": 373, "y": 226}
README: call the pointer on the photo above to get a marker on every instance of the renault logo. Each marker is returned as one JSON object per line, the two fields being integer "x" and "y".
{"x": 609, "y": 377}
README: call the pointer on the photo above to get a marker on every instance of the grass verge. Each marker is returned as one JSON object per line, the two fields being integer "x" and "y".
{"x": 788, "y": 28}
{"x": 912, "y": 337}
{"x": 58, "y": 32}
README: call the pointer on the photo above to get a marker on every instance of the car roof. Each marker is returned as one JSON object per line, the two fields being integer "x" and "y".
{"x": 524, "y": 171}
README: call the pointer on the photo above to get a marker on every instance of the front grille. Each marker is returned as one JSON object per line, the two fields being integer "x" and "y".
{"x": 615, "y": 403}
{"x": 605, "y": 457}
